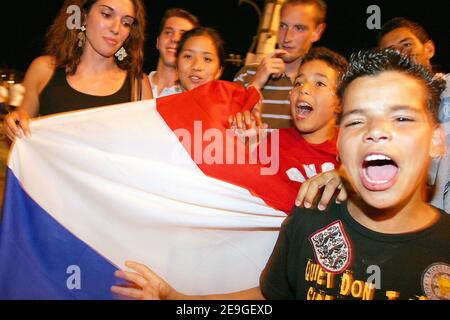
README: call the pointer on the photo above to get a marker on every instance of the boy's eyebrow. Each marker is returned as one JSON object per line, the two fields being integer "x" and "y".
{"x": 391, "y": 108}
{"x": 315, "y": 74}
{"x": 404, "y": 108}
{"x": 406, "y": 39}
{"x": 400, "y": 42}
{"x": 321, "y": 75}
{"x": 354, "y": 111}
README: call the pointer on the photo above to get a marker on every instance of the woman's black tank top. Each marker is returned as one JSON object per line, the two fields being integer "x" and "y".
{"x": 59, "y": 96}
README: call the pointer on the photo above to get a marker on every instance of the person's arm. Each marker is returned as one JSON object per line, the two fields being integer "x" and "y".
{"x": 331, "y": 182}
{"x": 243, "y": 77}
{"x": 36, "y": 78}
{"x": 146, "y": 88}
{"x": 147, "y": 285}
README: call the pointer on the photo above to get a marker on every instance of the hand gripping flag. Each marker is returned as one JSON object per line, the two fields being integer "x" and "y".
{"x": 92, "y": 189}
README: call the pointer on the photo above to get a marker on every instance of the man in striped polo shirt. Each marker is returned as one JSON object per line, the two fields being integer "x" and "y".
{"x": 302, "y": 23}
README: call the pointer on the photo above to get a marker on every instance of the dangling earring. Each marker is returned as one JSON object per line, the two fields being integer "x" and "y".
{"x": 121, "y": 54}
{"x": 81, "y": 37}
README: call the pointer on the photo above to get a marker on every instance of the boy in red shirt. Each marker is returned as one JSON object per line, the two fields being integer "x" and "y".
{"x": 310, "y": 147}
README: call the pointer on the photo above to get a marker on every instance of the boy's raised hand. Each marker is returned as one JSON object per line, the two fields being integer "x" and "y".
{"x": 145, "y": 284}
{"x": 330, "y": 181}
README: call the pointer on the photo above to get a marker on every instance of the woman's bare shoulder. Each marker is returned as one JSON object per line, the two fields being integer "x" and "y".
{"x": 44, "y": 64}
{"x": 40, "y": 71}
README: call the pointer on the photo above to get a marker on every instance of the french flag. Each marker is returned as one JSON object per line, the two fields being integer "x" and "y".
{"x": 92, "y": 189}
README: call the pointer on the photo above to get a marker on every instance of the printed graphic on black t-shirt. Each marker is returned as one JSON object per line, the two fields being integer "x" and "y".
{"x": 330, "y": 257}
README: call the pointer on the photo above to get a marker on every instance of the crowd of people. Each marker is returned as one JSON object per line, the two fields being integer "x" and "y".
{"x": 357, "y": 121}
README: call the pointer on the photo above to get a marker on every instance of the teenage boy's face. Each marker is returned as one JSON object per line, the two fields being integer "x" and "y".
{"x": 313, "y": 100}
{"x": 403, "y": 40}
{"x": 298, "y": 30}
{"x": 386, "y": 138}
{"x": 168, "y": 40}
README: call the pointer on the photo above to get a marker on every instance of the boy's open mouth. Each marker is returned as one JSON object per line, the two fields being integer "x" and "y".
{"x": 378, "y": 172}
{"x": 303, "y": 109}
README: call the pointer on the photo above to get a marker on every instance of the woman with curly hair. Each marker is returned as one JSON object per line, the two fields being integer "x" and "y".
{"x": 98, "y": 64}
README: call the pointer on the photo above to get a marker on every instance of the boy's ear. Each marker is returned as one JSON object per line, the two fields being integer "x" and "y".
{"x": 430, "y": 49}
{"x": 320, "y": 29}
{"x": 437, "y": 146}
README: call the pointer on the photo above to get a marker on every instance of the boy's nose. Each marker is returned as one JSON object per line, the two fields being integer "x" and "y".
{"x": 305, "y": 89}
{"x": 378, "y": 132}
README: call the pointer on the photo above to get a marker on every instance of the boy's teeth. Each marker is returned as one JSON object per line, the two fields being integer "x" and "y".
{"x": 303, "y": 109}
{"x": 375, "y": 157}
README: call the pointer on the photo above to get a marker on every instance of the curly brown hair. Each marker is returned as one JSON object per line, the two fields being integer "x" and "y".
{"x": 62, "y": 42}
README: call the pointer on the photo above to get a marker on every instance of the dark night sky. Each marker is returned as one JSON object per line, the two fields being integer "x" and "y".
{"x": 25, "y": 23}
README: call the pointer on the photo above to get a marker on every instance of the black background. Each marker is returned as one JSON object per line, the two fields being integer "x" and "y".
{"x": 24, "y": 25}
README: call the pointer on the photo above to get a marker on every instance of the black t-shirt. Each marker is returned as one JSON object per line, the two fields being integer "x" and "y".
{"x": 331, "y": 256}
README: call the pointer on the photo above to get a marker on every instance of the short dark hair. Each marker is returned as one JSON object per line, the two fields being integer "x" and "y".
{"x": 375, "y": 61}
{"x": 330, "y": 57}
{"x": 179, "y": 13}
{"x": 320, "y": 5}
{"x": 401, "y": 22}
{"x": 204, "y": 31}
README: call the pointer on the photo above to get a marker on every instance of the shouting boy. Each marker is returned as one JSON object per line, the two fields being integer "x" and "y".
{"x": 309, "y": 147}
